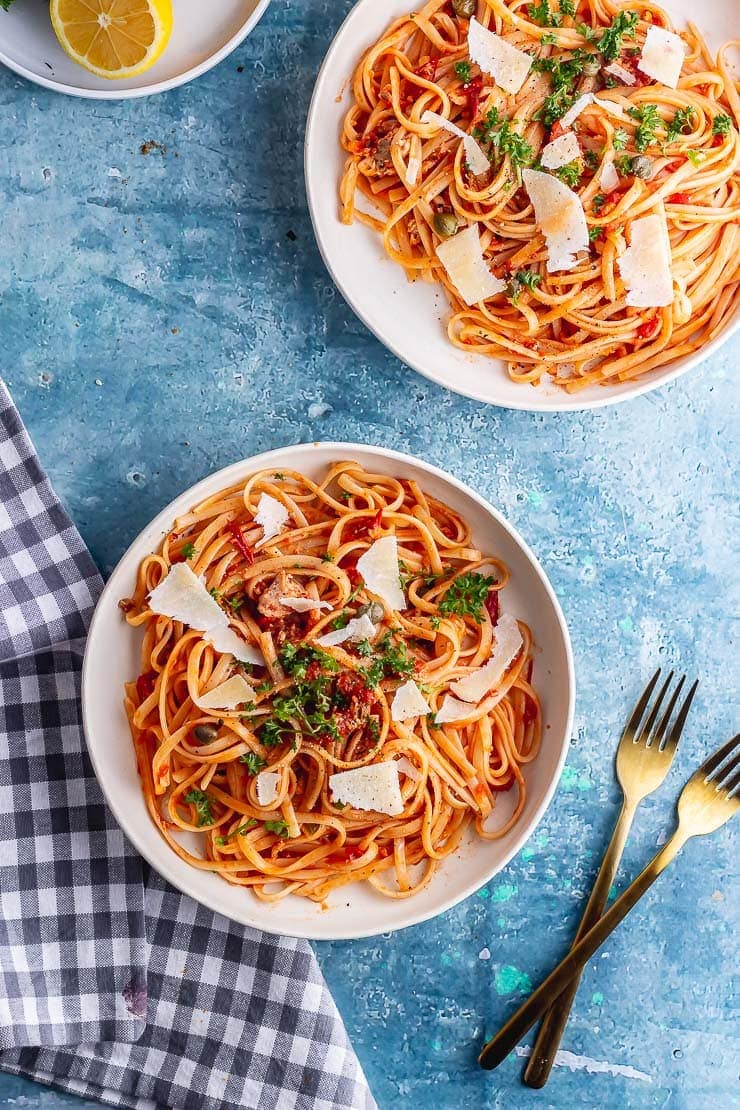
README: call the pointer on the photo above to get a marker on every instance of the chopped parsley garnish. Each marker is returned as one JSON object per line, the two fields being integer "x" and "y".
{"x": 570, "y": 174}
{"x": 696, "y": 157}
{"x": 594, "y": 233}
{"x": 467, "y": 595}
{"x": 549, "y": 39}
{"x": 279, "y": 477}
{"x": 503, "y": 139}
{"x": 327, "y": 558}
{"x": 264, "y": 687}
{"x": 250, "y": 824}
{"x": 364, "y": 648}
{"x": 624, "y": 164}
{"x": 598, "y": 202}
{"x": 541, "y": 13}
{"x": 592, "y": 159}
{"x": 649, "y": 119}
{"x": 202, "y": 805}
{"x": 522, "y": 279}
{"x": 563, "y": 72}
{"x": 620, "y": 139}
{"x": 308, "y": 706}
{"x": 187, "y": 550}
{"x": 721, "y": 124}
{"x": 462, "y": 70}
{"x": 623, "y": 26}
{"x": 393, "y": 661}
{"x": 682, "y": 121}
{"x": 280, "y": 828}
{"x": 586, "y": 32}
{"x": 434, "y": 623}
{"x": 254, "y": 762}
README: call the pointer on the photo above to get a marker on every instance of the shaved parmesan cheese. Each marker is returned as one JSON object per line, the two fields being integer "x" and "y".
{"x": 462, "y": 258}
{"x": 228, "y": 642}
{"x": 559, "y": 213}
{"x": 271, "y": 515}
{"x": 645, "y": 266}
{"x": 380, "y": 571}
{"x": 452, "y": 710}
{"x": 375, "y": 787}
{"x": 183, "y": 597}
{"x": 267, "y": 787}
{"x": 406, "y": 767}
{"x": 561, "y": 151}
{"x": 575, "y": 109}
{"x": 304, "y": 604}
{"x": 621, "y": 73}
{"x": 228, "y": 695}
{"x": 477, "y": 160}
{"x": 662, "y": 56}
{"x": 608, "y": 177}
{"x": 583, "y": 102}
{"x": 408, "y": 702}
{"x": 507, "y": 645}
{"x": 610, "y": 107}
{"x": 507, "y": 64}
{"x": 359, "y": 628}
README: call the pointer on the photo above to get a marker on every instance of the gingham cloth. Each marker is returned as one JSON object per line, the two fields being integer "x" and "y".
{"x": 112, "y": 984}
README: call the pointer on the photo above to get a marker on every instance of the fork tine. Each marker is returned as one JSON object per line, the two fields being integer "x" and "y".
{"x": 731, "y": 786}
{"x": 647, "y": 728}
{"x": 720, "y": 779}
{"x": 676, "y": 729}
{"x": 709, "y": 766}
{"x": 639, "y": 709}
{"x": 659, "y": 731}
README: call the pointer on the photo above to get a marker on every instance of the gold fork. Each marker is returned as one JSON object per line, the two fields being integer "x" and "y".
{"x": 708, "y": 800}
{"x": 645, "y": 753}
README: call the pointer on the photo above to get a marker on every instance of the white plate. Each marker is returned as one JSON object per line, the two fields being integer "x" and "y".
{"x": 112, "y": 658}
{"x": 202, "y": 35}
{"x": 410, "y": 319}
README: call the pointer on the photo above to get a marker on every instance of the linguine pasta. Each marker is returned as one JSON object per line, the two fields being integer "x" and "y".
{"x": 671, "y": 151}
{"x": 253, "y": 781}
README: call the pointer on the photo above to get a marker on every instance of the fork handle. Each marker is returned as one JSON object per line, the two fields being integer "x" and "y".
{"x": 499, "y": 1047}
{"x": 553, "y": 1024}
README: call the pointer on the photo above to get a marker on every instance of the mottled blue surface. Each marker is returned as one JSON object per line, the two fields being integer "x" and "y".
{"x": 157, "y": 320}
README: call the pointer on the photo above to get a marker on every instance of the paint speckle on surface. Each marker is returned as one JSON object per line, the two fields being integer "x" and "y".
{"x": 627, "y": 625}
{"x": 536, "y": 499}
{"x": 484, "y": 954}
{"x": 509, "y": 979}
{"x": 597, "y": 998}
{"x": 214, "y": 332}
{"x": 503, "y": 892}
{"x": 528, "y": 853}
{"x": 613, "y": 892}
{"x": 574, "y": 1062}
{"x": 572, "y": 779}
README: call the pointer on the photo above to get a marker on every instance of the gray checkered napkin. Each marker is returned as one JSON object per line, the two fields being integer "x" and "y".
{"x": 113, "y": 985}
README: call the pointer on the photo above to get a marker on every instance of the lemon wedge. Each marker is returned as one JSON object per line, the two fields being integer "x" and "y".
{"x": 113, "y": 38}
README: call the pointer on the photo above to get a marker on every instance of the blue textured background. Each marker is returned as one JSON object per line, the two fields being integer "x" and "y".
{"x": 162, "y": 315}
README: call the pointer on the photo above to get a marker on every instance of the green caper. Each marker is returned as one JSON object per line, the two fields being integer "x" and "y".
{"x": 445, "y": 224}
{"x": 204, "y": 734}
{"x": 642, "y": 166}
{"x": 374, "y": 610}
{"x": 465, "y": 8}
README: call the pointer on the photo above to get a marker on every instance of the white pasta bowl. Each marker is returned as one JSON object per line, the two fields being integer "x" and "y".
{"x": 202, "y": 36}
{"x": 411, "y": 318}
{"x": 112, "y": 657}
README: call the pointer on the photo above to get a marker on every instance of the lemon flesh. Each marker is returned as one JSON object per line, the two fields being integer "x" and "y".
{"x": 113, "y": 38}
